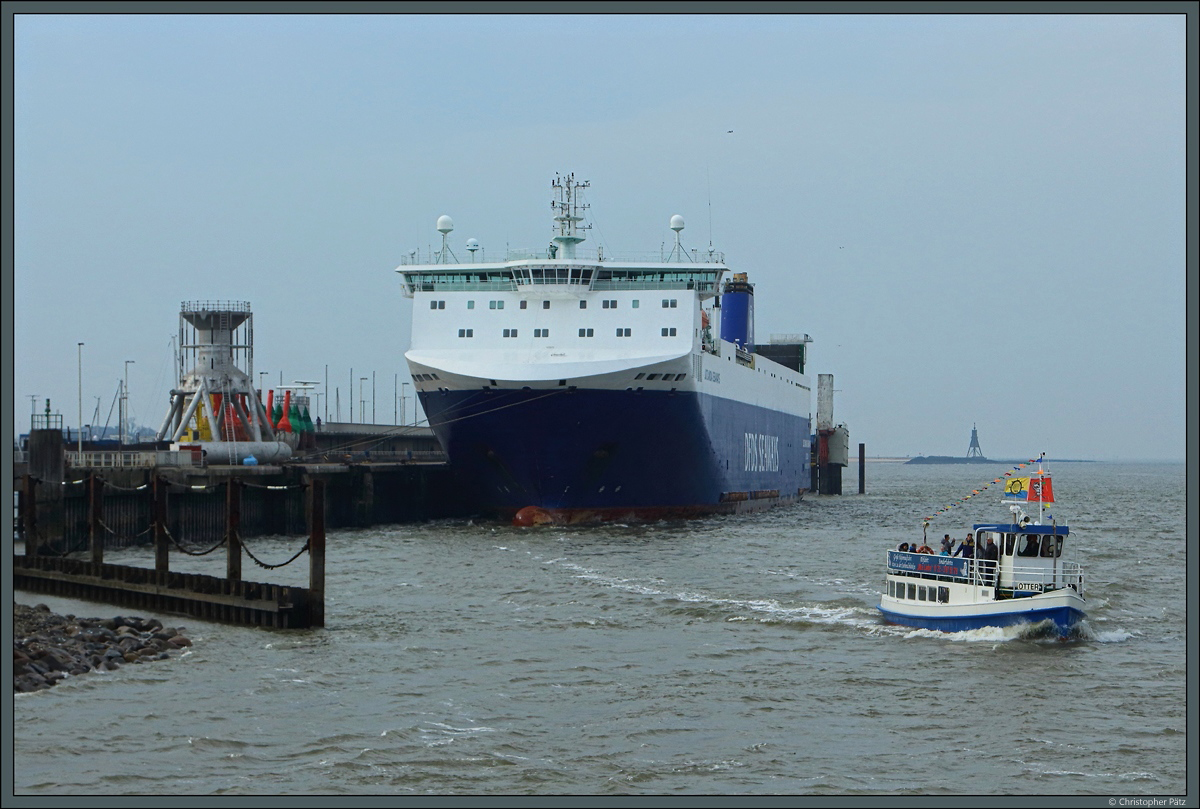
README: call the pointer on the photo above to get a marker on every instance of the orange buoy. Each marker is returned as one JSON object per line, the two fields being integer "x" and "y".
{"x": 285, "y": 423}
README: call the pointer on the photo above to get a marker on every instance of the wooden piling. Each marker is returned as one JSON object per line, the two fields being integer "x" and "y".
{"x": 29, "y": 502}
{"x": 862, "y": 468}
{"x": 233, "y": 521}
{"x": 316, "y": 553}
{"x": 95, "y": 518}
{"x": 162, "y": 553}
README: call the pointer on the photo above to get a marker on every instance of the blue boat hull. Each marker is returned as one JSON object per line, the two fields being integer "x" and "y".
{"x": 1064, "y": 619}
{"x": 610, "y": 454}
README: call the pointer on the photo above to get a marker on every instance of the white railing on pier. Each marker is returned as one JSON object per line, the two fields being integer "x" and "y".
{"x": 130, "y": 460}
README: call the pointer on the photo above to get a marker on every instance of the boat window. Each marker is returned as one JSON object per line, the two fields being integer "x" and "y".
{"x": 1010, "y": 542}
{"x": 1058, "y": 548}
{"x": 545, "y": 304}
{"x": 635, "y": 304}
{"x": 912, "y": 592}
{"x": 920, "y": 594}
{"x": 943, "y": 595}
{"x": 891, "y": 589}
{"x": 583, "y": 304}
{"x": 470, "y": 304}
{"x": 524, "y": 304}
{"x": 1048, "y": 546}
{"x": 1029, "y": 546}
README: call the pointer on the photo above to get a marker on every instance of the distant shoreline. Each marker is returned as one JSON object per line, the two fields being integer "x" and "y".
{"x": 949, "y": 459}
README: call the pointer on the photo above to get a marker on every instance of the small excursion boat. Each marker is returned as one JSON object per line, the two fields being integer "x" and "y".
{"x": 1027, "y": 582}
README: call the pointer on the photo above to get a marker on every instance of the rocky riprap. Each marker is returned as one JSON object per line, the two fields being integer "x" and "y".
{"x": 48, "y": 647}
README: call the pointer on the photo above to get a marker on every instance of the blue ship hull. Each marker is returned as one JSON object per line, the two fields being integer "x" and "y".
{"x": 1064, "y": 619}
{"x": 613, "y": 454}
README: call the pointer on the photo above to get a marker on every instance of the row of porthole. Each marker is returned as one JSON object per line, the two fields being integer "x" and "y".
{"x": 918, "y": 592}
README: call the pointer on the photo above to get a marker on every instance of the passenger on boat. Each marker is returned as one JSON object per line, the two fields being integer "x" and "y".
{"x": 903, "y": 547}
{"x": 947, "y": 546}
{"x": 1031, "y": 546}
{"x": 967, "y": 549}
{"x": 990, "y": 553}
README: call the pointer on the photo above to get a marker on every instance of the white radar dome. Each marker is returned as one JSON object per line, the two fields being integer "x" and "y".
{"x": 472, "y": 244}
{"x": 676, "y": 223}
{"x": 445, "y": 224}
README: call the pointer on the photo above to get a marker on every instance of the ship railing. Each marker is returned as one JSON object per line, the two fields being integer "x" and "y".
{"x": 130, "y": 460}
{"x": 982, "y": 572}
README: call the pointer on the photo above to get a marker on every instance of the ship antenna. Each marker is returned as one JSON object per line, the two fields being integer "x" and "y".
{"x": 444, "y": 225}
{"x": 708, "y": 182}
{"x": 677, "y": 225}
{"x": 568, "y": 212}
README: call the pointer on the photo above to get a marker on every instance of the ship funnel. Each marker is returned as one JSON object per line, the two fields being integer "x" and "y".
{"x": 737, "y": 312}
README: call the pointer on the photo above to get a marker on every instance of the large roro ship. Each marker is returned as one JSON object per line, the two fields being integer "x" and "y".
{"x": 572, "y": 388}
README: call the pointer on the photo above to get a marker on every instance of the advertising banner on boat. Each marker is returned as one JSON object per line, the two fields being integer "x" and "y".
{"x": 1033, "y": 490}
{"x": 924, "y": 563}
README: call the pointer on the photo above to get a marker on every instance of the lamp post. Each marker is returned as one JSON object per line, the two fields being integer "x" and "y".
{"x": 79, "y": 350}
{"x": 261, "y": 374}
{"x": 403, "y": 416}
{"x": 362, "y": 403}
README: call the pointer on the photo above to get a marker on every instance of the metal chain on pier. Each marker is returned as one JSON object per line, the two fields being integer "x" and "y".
{"x": 192, "y": 486}
{"x": 112, "y": 485}
{"x": 185, "y": 551}
{"x": 105, "y": 526}
{"x": 263, "y": 564}
{"x": 274, "y": 488}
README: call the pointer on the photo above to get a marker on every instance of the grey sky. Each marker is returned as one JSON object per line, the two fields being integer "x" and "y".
{"x": 978, "y": 219}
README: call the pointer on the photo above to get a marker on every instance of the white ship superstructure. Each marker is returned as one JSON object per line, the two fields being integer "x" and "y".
{"x": 586, "y": 386}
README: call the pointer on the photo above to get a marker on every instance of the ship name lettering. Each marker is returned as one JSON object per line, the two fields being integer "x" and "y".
{"x": 762, "y": 452}
{"x": 713, "y": 376}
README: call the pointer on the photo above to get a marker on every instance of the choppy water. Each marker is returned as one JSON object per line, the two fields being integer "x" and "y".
{"x": 729, "y": 655}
